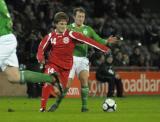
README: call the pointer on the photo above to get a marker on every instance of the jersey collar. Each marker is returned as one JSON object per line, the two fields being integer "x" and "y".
{"x": 74, "y": 25}
{"x": 60, "y": 33}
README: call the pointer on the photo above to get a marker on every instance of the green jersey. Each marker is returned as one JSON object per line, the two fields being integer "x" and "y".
{"x": 5, "y": 19}
{"x": 81, "y": 50}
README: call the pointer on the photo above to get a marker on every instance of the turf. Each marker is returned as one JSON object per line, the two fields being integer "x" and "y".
{"x": 129, "y": 109}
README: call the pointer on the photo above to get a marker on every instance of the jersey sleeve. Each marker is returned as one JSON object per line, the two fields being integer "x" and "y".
{"x": 43, "y": 46}
{"x": 81, "y": 38}
{"x": 3, "y": 9}
{"x": 96, "y": 37}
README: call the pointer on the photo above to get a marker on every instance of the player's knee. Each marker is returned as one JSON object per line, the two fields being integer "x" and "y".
{"x": 13, "y": 78}
{"x": 84, "y": 80}
{"x": 57, "y": 91}
{"x": 83, "y": 77}
{"x": 12, "y": 74}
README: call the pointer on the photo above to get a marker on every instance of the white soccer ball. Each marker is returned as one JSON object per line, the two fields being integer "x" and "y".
{"x": 109, "y": 105}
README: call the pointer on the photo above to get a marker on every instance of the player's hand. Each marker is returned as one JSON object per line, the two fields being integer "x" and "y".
{"x": 112, "y": 40}
{"x": 117, "y": 76}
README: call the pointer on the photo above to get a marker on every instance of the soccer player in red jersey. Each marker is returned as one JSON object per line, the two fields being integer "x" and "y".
{"x": 60, "y": 57}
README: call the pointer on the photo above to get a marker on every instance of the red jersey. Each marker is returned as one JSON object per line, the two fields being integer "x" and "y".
{"x": 62, "y": 47}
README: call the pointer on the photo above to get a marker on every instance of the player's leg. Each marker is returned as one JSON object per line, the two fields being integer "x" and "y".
{"x": 83, "y": 77}
{"x": 9, "y": 63}
{"x": 44, "y": 97}
{"x": 15, "y": 76}
{"x": 119, "y": 87}
{"x": 47, "y": 88}
{"x": 12, "y": 74}
{"x": 67, "y": 79}
{"x": 111, "y": 87}
{"x": 10, "y": 68}
{"x": 27, "y": 76}
{"x": 66, "y": 85}
{"x": 34, "y": 77}
{"x": 60, "y": 98}
{"x": 83, "y": 74}
{"x": 8, "y": 57}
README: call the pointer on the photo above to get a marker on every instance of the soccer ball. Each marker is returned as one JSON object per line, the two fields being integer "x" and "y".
{"x": 109, "y": 105}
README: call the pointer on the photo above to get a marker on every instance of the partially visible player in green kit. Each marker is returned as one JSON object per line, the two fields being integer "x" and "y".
{"x": 80, "y": 61}
{"x": 8, "y": 58}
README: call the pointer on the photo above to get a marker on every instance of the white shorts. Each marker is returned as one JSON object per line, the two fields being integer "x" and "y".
{"x": 8, "y": 44}
{"x": 79, "y": 64}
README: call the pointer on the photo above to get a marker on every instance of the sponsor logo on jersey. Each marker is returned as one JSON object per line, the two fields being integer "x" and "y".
{"x": 66, "y": 40}
{"x": 85, "y": 32}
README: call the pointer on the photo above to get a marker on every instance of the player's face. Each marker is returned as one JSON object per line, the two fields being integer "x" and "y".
{"x": 109, "y": 59}
{"x": 61, "y": 26}
{"x": 79, "y": 18}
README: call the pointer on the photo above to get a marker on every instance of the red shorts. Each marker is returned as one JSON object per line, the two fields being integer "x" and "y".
{"x": 63, "y": 73}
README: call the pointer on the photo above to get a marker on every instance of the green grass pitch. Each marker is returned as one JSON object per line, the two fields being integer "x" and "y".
{"x": 129, "y": 109}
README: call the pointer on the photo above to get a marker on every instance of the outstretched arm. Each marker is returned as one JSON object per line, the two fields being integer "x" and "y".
{"x": 111, "y": 39}
{"x": 81, "y": 38}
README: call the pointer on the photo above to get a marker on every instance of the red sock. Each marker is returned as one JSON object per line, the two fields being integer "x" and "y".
{"x": 46, "y": 91}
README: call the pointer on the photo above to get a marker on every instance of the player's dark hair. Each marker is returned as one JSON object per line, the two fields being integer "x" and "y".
{"x": 60, "y": 16}
{"x": 79, "y": 9}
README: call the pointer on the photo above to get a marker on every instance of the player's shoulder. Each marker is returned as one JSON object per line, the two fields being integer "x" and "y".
{"x": 88, "y": 27}
{"x": 52, "y": 33}
{"x": 70, "y": 25}
{"x": 74, "y": 25}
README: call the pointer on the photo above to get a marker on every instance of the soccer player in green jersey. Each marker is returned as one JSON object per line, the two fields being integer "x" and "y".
{"x": 8, "y": 58}
{"x": 80, "y": 61}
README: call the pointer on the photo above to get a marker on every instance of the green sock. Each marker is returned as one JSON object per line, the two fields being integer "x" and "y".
{"x": 34, "y": 77}
{"x": 84, "y": 96}
{"x": 59, "y": 99}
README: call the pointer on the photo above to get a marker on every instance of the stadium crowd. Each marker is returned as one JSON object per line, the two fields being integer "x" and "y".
{"x": 138, "y": 27}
